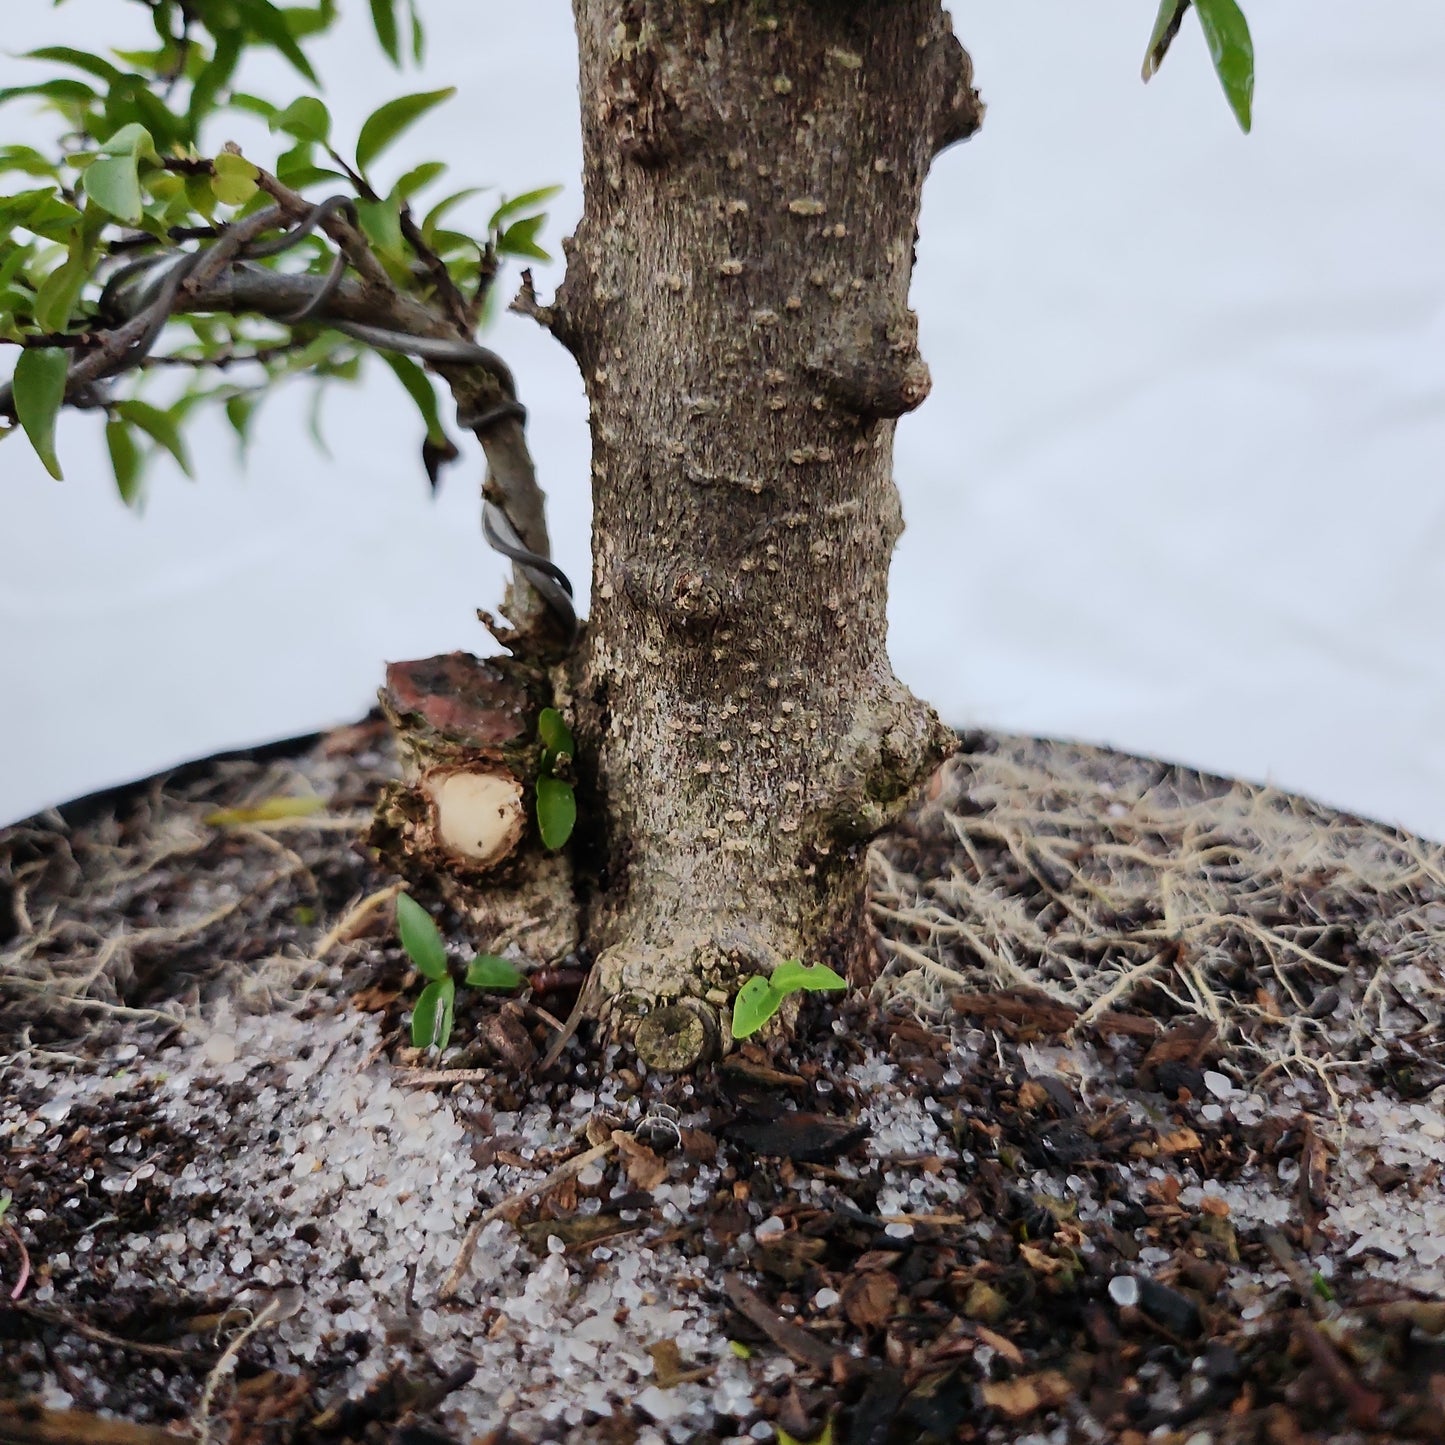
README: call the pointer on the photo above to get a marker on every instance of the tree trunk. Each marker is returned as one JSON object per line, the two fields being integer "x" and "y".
{"x": 736, "y": 297}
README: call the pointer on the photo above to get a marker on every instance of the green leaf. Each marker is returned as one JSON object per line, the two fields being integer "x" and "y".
{"x": 451, "y": 244}
{"x": 160, "y": 426}
{"x": 488, "y": 970}
{"x": 418, "y": 178}
{"x": 447, "y": 203}
{"x": 38, "y": 387}
{"x": 254, "y": 105}
{"x": 315, "y": 21}
{"x": 130, "y": 140}
{"x": 164, "y": 185}
{"x": 791, "y": 976}
{"x": 555, "y": 734}
{"x": 518, "y": 204}
{"x": 60, "y": 290}
{"x": 1232, "y": 51}
{"x": 239, "y": 411}
{"x": 420, "y": 937}
{"x": 270, "y": 24}
{"x": 60, "y": 91}
{"x": 418, "y": 35}
{"x": 40, "y": 211}
{"x": 431, "y": 1020}
{"x": 64, "y": 55}
{"x": 54, "y": 219}
{"x": 297, "y": 169}
{"x": 27, "y": 160}
{"x": 235, "y": 180}
{"x": 15, "y": 260}
{"x": 125, "y": 461}
{"x": 306, "y": 119}
{"x": 113, "y": 183}
{"x": 756, "y": 1003}
{"x": 387, "y": 122}
{"x": 215, "y": 74}
{"x": 166, "y": 129}
{"x": 556, "y": 812}
{"x": 1166, "y": 27}
{"x": 381, "y": 224}
{"x": 419, "y": 387}
{"x": 520, "y": 239}
{"x": 112, "y": 179}
{"x": 383, "y": 18}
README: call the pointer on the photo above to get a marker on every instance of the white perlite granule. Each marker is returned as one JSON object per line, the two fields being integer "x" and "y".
{"x": 380, "y": 1179}
{"x": 320, "y": 1180}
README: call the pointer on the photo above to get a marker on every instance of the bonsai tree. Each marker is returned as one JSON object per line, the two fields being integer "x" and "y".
{"x": 724, "y": 731}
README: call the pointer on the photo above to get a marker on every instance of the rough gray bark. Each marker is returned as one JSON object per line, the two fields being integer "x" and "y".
{"x": 736, "y": 297}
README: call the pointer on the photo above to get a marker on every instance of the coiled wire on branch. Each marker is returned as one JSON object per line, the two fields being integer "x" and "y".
{"x": 143, "y": 295}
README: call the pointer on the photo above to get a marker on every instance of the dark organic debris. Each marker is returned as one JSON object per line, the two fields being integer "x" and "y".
{"x": 981, "y": 1215}
{"x": 804, "y": 1138}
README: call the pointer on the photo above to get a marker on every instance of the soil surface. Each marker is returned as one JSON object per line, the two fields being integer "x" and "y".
{"x": 1140, "y": 1137}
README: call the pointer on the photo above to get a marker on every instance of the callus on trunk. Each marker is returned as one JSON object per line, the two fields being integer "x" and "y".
{"x": 461, "y": 820}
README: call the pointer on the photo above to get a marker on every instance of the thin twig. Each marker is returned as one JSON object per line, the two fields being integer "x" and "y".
{"x": 430, "y": 1078}
{"x": 797, "y": 1342}
{"x": 225, "y": 1365}
{"x": 104, "y": 1337}
{"x": 586, "y": 996}
{"x": 563, "y": 1172}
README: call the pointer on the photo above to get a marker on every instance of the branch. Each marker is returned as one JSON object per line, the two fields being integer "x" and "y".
{"x": 341, "y": 229}
{"x": 144, "y": 295}
{"x": 436, "y": 268}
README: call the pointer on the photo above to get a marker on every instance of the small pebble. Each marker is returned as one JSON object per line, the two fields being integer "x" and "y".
{"x": 220, "y": 1049}
{"x": 825, "y": 1299}
{"x": 1124, "y": 1290}
{"x": 770, "y": 1227}
{"x": 1220, "y": 1085}
{"x": 899, "y": 1231}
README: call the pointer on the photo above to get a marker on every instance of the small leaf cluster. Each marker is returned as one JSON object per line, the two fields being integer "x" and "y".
{"x": 556, "y": 797}
{"x": 1226, "y": 32}
{"x": 141, "y": 168}
{"x": 760, "y": 998}
{"x": 431, "y": 1020}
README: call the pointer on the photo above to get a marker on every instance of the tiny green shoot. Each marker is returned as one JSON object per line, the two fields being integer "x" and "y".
{"x": 489, "y": 970}
{"x": 556, "y": 798}
{"x": 760, "y": 998}
{"x": 435, "y": 1011}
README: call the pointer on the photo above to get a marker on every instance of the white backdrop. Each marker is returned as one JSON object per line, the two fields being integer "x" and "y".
{"x": 1179, "y": 487}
